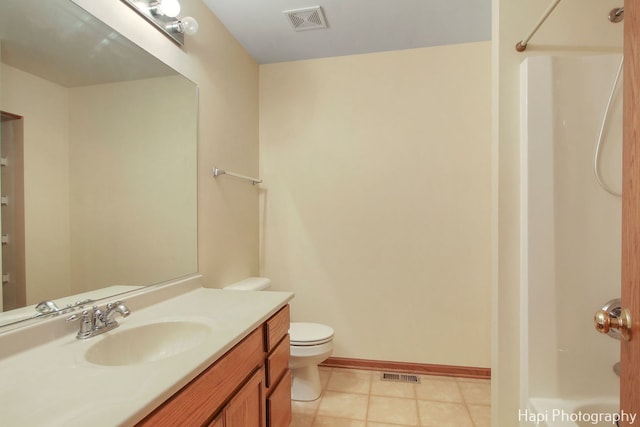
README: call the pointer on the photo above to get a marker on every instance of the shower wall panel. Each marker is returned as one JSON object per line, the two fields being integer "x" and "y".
{"x": 571, "y": 226}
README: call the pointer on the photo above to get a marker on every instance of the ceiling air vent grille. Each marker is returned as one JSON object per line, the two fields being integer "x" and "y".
{"x": 310, "y": 18}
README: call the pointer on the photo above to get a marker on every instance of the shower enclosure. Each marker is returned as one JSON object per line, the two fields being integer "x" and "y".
{"x": 570, "y": 237}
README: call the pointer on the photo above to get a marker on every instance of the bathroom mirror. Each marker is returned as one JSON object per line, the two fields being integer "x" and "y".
{"x": 98, "y": 160}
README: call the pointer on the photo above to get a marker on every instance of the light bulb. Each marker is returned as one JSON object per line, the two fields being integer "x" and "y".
{"x": 189, "y": 25}
{"x": 170, "y": 8}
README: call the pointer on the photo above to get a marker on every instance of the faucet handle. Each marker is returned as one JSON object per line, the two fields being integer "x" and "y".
{"x": 76, "y": 316}
{"x": 86, "y": 323}
{"x": 113, "y": 305}
{"x": 98, "y": 316}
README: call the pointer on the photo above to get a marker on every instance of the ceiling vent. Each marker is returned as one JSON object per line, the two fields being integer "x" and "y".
{"x": 309, "y": 18}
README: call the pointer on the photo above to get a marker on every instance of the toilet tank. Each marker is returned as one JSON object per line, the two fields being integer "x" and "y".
{"x": 250, "y": 284}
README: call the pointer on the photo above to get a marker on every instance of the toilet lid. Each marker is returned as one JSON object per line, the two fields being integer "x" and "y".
{"x": 302, "y": 333}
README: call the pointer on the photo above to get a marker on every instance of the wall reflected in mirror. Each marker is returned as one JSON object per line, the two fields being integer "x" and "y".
{"x": 98, "y": 146}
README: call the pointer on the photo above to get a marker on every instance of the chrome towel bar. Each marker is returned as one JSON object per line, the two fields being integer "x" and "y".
{"x": 217, "y": 172}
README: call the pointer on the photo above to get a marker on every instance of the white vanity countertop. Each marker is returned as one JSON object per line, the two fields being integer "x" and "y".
{"x": 53, "y": 385}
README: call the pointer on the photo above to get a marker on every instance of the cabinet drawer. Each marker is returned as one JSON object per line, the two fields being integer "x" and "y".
{"x": 277, "y": 363}
{"x": 198, "y": 401}
{"x": 276, "y": 328}
{"x": 279, "y": 403}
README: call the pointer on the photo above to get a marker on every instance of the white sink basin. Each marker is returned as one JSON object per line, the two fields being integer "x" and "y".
{"x": 147, "y": 343}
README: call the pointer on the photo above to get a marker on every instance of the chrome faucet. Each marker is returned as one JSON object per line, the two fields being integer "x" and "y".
{"x": 112, "y": 309}
{"x": 97, "y": 321}
{"x": 47, "y": 307}
{"x": 50, "y": 308}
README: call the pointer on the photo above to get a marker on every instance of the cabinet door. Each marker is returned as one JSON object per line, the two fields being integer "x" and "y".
{"x": 279, "y": 403}
{"x": 247, "y": 407}
{"x": 218, "y": 421}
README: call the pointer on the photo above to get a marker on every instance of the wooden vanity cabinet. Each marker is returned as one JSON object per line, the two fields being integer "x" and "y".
{"x": 247, "y": 407}
{"x": 249, "y": 386}
{"x": 278, "y": 375}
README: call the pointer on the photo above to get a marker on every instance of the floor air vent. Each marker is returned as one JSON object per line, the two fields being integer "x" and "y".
{"x": 401, "y": 378}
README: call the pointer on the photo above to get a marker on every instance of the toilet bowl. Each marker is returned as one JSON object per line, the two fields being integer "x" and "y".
{"x": 311, "y": 344}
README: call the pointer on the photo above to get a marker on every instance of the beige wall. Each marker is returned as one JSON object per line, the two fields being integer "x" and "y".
{"x": 69, "y": 181}
{"x": 132, "y": 193}
{"x": 376, "y": 201}
{"x": 576, "y": 26}
{"x": 227, "y": 79}
{"x": 46, "y": 179}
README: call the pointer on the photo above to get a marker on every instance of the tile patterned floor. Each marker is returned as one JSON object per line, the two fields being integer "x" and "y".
{"x": 358, "y": 398}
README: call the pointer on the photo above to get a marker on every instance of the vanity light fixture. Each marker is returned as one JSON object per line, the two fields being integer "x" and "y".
{"x": 187, "y": 25}
{"x": 163, "y": 14}
{"x": 170, "y": 8}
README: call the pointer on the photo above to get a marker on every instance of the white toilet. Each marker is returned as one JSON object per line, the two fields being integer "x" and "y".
{"x": 311, "y": 344}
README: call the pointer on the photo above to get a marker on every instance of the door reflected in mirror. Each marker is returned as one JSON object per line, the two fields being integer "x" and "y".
{"x": 99, "y": 160}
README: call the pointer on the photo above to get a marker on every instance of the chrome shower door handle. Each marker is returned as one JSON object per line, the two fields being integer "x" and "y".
{"x": 613, "y": 320}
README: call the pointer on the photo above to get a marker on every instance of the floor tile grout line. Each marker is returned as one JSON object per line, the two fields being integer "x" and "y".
{"x": 466, "y": 407}
{"x": 366, "y": 415}
{"x": 415, "y": 402}
{"x": 322, "y": 392}
{"x": 413, "y": 399}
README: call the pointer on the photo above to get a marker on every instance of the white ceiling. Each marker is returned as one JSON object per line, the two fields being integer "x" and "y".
{"x": 60, "y": 42}
{"x": 355, "y": 26}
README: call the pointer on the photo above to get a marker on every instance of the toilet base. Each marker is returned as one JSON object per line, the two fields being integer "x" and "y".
{"x": 305, "y": 383}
